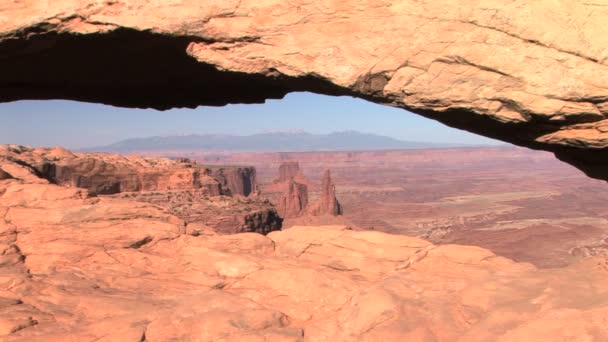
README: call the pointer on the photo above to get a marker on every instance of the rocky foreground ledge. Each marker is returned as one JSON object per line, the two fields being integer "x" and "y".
{"x": 74, "y": 267}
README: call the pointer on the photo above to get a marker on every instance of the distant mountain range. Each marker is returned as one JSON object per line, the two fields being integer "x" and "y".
{"x": 269, "y": 142}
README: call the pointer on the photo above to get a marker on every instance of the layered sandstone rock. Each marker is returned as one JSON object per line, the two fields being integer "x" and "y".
{"x": 235, "y": 180}
{"x": 75, "y": 267}
{"x": 327, "y": 204}
{"x": 221, "y": 214}
{"x": 294, "y": 201}
{"x": 530, "y": 73}
{"x": 212, "y": 196}
{"x": 111, "y": 173}
{"x": 291, "y": 194}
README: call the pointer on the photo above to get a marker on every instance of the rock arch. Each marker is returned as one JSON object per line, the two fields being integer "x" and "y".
{"x": 530, "y": 73}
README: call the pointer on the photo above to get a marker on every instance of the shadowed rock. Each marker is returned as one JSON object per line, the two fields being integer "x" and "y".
{"x": 5, "y": 175}
{"x": 504, "y": 70}
{"x": 104, "y": 173}
{"x": 214, "y": 196}
{"x": 294, "y": 200}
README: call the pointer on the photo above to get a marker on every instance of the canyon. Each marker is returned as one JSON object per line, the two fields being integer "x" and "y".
{"x": 521, "y": 204}
{"x": 290, "y": 193}
{"x": 478, "y": 244}
{"x": 78, "y": 265}
{"x": 214, "y": 198}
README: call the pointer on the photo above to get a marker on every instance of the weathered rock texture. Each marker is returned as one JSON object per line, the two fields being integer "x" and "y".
{"x": 534, "y": 73}
{"x": 327, "y": 204}
{"x": 81, "y": 268}
{"x": 112, "y": 173}
{"x": 234, "y": 180}
{"x": 221, "y": 214}
{"x": 291, "y": 195}
{"x": 294, "y": 200}
{"x": 213, "y": 196}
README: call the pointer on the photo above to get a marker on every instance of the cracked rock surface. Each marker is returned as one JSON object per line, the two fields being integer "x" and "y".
{"x": 531, "y": 73}
{"x": 83, "y": 268}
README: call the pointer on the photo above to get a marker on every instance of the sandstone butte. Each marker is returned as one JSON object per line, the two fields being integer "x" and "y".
{"x": 293, "y": 188}
{"x": 76, "y": 266}
{"x": 533, "y": 73}
{"x": 327, "y": 204}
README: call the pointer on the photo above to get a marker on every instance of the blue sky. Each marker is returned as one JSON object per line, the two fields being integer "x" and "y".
{"x": 75, "y": 124}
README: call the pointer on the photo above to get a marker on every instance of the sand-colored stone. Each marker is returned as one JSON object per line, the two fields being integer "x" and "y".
{"x": 105, "y": 173}
{"x": 294, "y": 200}
{"x": 327, "y": 204}
{"x": 526, "y": 72}
{"x": 75, "y": 267}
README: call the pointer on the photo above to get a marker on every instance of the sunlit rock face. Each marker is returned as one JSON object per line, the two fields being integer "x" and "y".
{"x": 104, "y": 173}
{"x": 79, "y": 267}
{"x": 327, "y": 204}
{"x": 213, "y": 196}
{"x": 531, "y": 73}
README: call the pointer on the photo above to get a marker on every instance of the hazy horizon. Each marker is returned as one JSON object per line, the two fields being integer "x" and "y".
{"x": 78, "y": 125}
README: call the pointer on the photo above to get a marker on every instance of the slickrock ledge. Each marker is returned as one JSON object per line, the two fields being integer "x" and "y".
{"x": 531, "y": 73}
{"x": 82, "y": 268}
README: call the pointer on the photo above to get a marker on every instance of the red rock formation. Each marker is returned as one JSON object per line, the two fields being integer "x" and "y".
{"x": 294, "y": 200}
{"x": 110, "y": 173}
{"x": 181, "y": 187}
{"x": 506, "y": 70}
{"x": 327, "y": 204}
{"x": 234, "y": 180}
{"x": 222, "y": 214}
{"x": 76, "y": 268}
{"x": 293, "y": 189}
{"x": 288, "y": 171}
{"x": 82, "y": 268}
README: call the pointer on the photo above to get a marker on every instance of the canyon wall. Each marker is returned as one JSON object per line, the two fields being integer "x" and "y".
{"x": 82, "y": 268}
{"x": 531, "y": 73}
{"x": 327, "y": 204}
{"x": 110, "y": 173}
{"x": 234, "y": 180}
{"x": 214, "y": 196}
{"x": 294, "y": 200}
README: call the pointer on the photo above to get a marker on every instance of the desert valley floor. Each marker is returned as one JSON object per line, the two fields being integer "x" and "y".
{"x": 522, "y": 204}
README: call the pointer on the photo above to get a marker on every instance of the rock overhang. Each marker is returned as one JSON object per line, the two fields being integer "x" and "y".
{"x": 502, "y": 71}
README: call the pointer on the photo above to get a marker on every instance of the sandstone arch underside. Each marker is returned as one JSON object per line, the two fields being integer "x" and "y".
{"x": 531, "y": 73}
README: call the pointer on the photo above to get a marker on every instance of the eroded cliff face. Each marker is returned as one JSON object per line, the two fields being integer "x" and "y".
{"x": 103, "y": 173}
{"x": 327, "y": 204}
{"x": 294, "y": 200}
{"x": 531, "y": 73}
{"x": 215, "y": 197}
{"x": 291, "y": 194}
{"x": 234, "y": 180}
{"x": 76, "y": 267}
